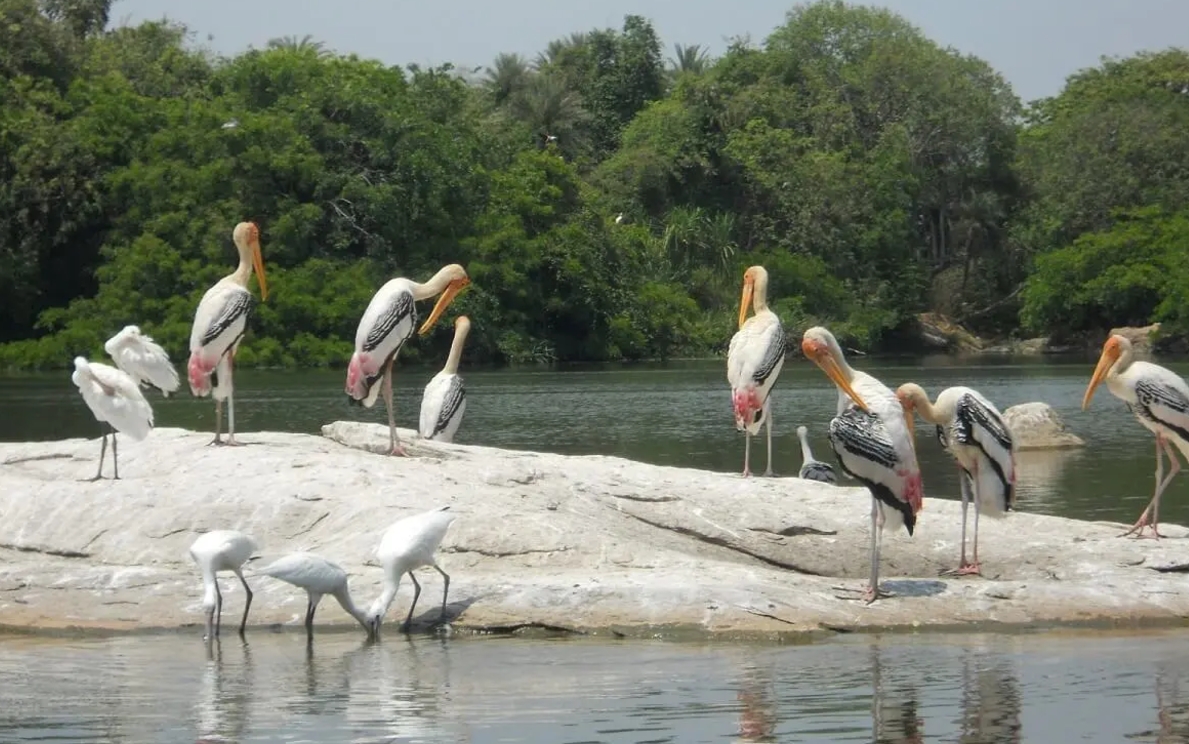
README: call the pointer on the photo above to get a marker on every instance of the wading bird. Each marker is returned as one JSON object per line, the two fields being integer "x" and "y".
{"x": 318, "y": 577}
{"x": 445, "y": 397}
{"x": 1159, "y": 398}
{"x": 143, "y": 359}
{"x": 116, "y": 400}
{"x": 754, "y": 360}
{"x": 215, "y": 551}
{"x": 387, "y": 323}
{"x": 219, "y": 325}
{"x": 811, "y": 469}
{"x": 871, "y": 440}
{"x": 972, "y": 430}
{"x": 409, "y": 544}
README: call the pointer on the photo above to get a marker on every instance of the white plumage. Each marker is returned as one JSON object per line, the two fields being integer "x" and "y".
{"x": 318, "y": 577}
{"x": 445, "y": 398}
{"x": 1159, "y": 398}
{"x": 143, "y": 359}
{"x": 754, "y": 360}
{"x": 215, "y": 551}
{"x": 409, "y": 544}
{"x": 116, "y": 400}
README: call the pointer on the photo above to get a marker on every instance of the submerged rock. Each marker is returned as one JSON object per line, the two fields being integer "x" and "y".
{"x": 541, "y": 540}
{"x": 1037, "y": 426}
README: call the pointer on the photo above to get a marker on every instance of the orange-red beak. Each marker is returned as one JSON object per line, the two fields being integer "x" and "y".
{"x": 822, "y": 358}
{"x": 448, "y": 295}
{"x": 1110, "y": 355}
{"x": 749, "y": 288}
{"x": 258, "y": 262}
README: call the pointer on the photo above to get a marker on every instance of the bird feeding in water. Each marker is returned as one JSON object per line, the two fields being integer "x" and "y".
{"x": 318, "y": 577}
{"x": 220, "y": 322}
{"x": 972, "y": 430}
{"x": 221, "y": 550}
{"x": 812, "y": 469}
{"x": 1159, "y": 398}
{"x": 409, "y": 544}
{"x": 387, "y": 323}
{"x": 115, "y": 400}
{"x": 445, "y": 397}
{"x": 754, "y": 360}
{"x": 871, "y": 439}
{"x": 143, "y": 359}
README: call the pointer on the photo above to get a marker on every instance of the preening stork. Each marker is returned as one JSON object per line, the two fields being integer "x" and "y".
{"x": 754, "y": 361}
{"x": 1159, "y": 398}
{"x": 116, "y": 400}
{"x": 219, "y": 325}
{"x": 143, "y": 359}
{"x": 972, "y": 430}
{"x": 445, "y": 397}
{"x": 872, "y": 442}
{"x": 409, "y": 544}
{"x": 387, "y": 323}
{"x": 318, "y": 577}
{"x": 811, "y": 468}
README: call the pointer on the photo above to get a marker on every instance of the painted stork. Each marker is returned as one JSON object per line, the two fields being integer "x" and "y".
{"x": 872, "y": 442}
{"x": 386, "y": 325}
{"x": 1159, "y": 398}
{"x": 219, "y": 325}
{"x": 116, "y": 400}
{"x": 754, "y": 361}
{"x": 972, "y": 430}
{"x": 215, "y": 551}
{"x": 445, "y": 397}
{"x": 318, "y": 577}
{"x": 408, "y": 544}
{"x": 812, "y": 469}
{"x": 143, "y": 359}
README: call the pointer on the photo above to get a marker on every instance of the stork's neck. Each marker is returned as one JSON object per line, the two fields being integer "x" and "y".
{"x": 432, "y": 288}
{"x": 927, "y": 410}
{"x": 460, "y": 337}
{"x": 759, "y": 296}
{"x": 343, "y": 595}
{"x": 1126, "y": 357}
{"x": 244, "y": 270}
{"x": 806, "y": 454}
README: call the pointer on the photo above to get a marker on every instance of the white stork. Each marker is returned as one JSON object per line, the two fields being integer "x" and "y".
{"x": 116, "y": 400}
{"x": 871, "y": 440}
{"x": 219, "y": 325}
{"x": 143, "y": 360}
{"x": 388, "y": 322}
{"x": 1159, "y": 398}
{"x": 811, "y": 468}
{"x": 445, "y": 397}
{"x": 972, "y": 430}
{"x": 754, "y": 361}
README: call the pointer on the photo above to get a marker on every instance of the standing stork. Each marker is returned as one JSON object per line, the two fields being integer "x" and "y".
{"x": 754, "y": 361}
{"x": 445, "y": 397}
{"x": 972, "y": 430}
{"x": 387, "y": 323}
{"x": 872, "y": 442}
{"x": 116, "y": 400}
{"x": 219, "y": 325}
{"x": 143, "y": 359}
{"x": 1159, "y": 398}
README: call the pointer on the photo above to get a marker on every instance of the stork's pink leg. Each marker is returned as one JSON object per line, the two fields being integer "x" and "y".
{"x": 1149, "y": 516}
{"x": 398, "y": 449}
{"x": 231, "y": 442}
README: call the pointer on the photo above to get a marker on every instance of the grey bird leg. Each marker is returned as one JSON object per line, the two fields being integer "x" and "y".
{"x": 1148, "y": 518}
{"x": 218, "y": 607}
{"x": 247, "y": 603}
{"x": 768, "y": 411}
{"x": 102, "y": 452}
{"x": 872, "y": 592}
{"x": 218, "y": 422}
{"x": 416, "y": 594}
{"x": 310, "y": 607}
{"x": 445, "y": 591}
{"x": 965, "y": 568}
{"x": 393, "y": 438}
{"x": 115, "y": 457}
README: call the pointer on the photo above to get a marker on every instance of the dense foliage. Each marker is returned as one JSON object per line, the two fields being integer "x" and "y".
{"x": 604, "y": 199}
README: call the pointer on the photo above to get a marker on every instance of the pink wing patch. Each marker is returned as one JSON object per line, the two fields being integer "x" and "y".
{"x": 358, "y": 370}
{"x": 914, "y": 489}
{"x": 199, "y": 371}
{"x": 746, "y": 402}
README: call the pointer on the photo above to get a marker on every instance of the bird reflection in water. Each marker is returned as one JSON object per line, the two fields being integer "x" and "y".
{"x": 1172, "y": 711}
{"x": 408, "y": 686}
{"x": 991, "y": 702}
{"x": 894, "y": 713}
{"x": 221, "y": 709}
{"x": 757, "y": 715}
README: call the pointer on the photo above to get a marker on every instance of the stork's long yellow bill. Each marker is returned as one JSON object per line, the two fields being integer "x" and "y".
{"x": 258, "y": 266}
{"x": 447, "y": 296}
{"x": 748, "y": 290}
{"x": 823, "y": 359}
{"x": 1110, "y": 355}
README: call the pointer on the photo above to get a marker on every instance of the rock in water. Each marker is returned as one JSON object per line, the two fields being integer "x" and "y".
{"x": 1037, "y": 426}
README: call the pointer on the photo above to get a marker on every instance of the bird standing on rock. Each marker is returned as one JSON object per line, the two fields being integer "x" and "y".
{"x": 215, "y": 551}
{"x": 408, "y": 544}
{"x": 318, "y": 577}
{"x": 754, "y": 361}
{"x": 116, "y": 400}
{"x": 143, "y": 359}
{"x": 445, "y": 397}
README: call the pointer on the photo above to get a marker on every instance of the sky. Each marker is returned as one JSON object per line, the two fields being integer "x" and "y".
{"x": 1035, "y": 44}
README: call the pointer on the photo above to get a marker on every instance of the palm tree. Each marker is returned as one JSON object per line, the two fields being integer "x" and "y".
{"x": 552, "y": 110}
{"x": 304, "y": 45}
{"x": 507, "y": 75}
{"x": 691, "y": 58}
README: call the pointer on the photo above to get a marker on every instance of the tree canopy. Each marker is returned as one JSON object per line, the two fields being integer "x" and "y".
{"x": 604, "y": 196}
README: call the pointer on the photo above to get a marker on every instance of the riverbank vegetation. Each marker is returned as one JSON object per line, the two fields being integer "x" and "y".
{"x": 605, "y": 196}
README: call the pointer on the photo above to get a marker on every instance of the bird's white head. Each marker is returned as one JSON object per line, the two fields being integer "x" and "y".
{"x": 1116, "y": 347}
{"x": 247, "y": 239}
{"x": 802, "y": 431}
{"x": 911, "y": 396}
{"x": 755, "y": 286}
{"x": 455, "y": 279}
{"x": 374, "y": 617}
{"x": 80, "y": 364}
{"x": 820, "y": 347}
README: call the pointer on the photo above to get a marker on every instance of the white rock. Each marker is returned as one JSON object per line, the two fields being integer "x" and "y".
{"x": 1036, "y": 426}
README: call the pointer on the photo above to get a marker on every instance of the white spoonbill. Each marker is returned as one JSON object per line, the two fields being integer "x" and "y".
{"x": 318, "y": 577}
{"x": 222, "y": 550}
{"x": 754, "y": 361}
{"x": 445, "y": 397}
{"x": 1159, "y": 398}
{"x": 408, "y": 544}
{"x": 812, "y": 469}
{"x": 387, "y": 323}
{"x": 116, "y": 400}
{"x": 143, "y": 359}
{"x": 872, "y": 442}
{"x": 219, "y": 325}
{"x": 972, "y": 430}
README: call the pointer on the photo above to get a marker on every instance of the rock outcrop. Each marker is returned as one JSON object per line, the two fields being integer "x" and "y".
{"x": 1038, "y": 426}
{"x": 585, "y": 543}
{"x": 1141, "y": 338}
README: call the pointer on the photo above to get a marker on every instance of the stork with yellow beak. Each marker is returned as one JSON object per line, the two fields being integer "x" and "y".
{"x": 754, "y": 361}
{"x": 1159, "y": 398}
{"x": 219, "y": 325}
{"x": 871, "y": 439}
{"x": 387, "y": 323}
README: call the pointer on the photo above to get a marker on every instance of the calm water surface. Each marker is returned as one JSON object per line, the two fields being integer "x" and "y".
{"x": 275, "y": 688}
{"x": 678, "y": 414}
